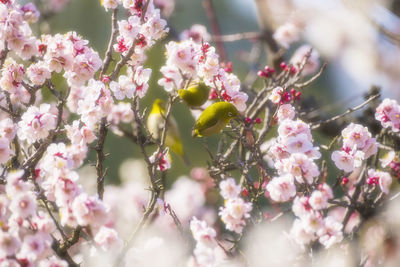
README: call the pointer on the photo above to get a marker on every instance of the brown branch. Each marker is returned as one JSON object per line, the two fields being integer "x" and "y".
{"x": 114, "y": 32}
{"x": 237, "y": 37}
{"x": 271, "y": 45}
{"x": 212, "y": 17}
{"x": 350, "y": 110}
{"x": 100, "y": 157}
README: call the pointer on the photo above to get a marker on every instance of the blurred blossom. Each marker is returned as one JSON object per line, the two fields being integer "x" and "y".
{"x": 266, "y": 245}
{"x": 198, "y": 33}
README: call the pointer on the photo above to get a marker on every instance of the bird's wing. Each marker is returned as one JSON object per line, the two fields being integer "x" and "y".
{"x": 206, "y": 122}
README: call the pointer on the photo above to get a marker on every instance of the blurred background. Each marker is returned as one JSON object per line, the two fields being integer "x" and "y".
{"x": 359, "y": 39}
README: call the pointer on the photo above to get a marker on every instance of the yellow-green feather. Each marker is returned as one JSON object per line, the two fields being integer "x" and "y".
{"x": 214, "y": 118}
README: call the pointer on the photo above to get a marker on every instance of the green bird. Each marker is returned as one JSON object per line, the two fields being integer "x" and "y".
{"x": 155, "y": 124}
{"x": 196, "y": 95}
{"x": 214, "y": 118}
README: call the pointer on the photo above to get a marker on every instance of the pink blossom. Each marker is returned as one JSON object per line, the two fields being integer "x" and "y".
{"x": 388, "y": 113}
{"x": 7, "y": 128}
{"x": 198, "y": 33}
{"x": 301, "y": 206}
{"x": 163, "y": 160}
{"x": 276, "y": 95}
{"x": 312, "y": 63}
{"x": 187, "y": 198}
{"x": 9, "y": 244}
{"x": 286, "y": 111}
{"x": 123, "y": 88}
{"x": 282, "y": 189}
{"x": 331, "y": 233}
{"x": 36, "y": 123}
{"x": 299, "y": 234}
{"x": 23, "y": 205}
{"x": 141, "y": 78}
{"x": 184, "y": 55}
{"x": 347, "y": 160}
{"x": 234, "y": 213}
{"x": 202, "y": 233}
{"x": 300, "y": 166}
{"x": 15, "y": 183}
{"x": 297, "y": 144}
{"x": 318, "y": 201}
{"x": 89, "y": 210}
{"x": 384, "y": 179}
{"x": 229, "y": 188}
{"x": 5, "y": 150}
{"x": 287, "y": 34}
{"x": 110, "y": 4}
{"x": 31, "y": 14}
{"x": 121, "y": 113}
{"x": 34, "y": 246}
{"x": 38, "y": 73}
{"x": 107, "y": 238}
{"x": 53, "y": 261}
{"x": 172, "y": 79}
{"x": 130, "y": 28}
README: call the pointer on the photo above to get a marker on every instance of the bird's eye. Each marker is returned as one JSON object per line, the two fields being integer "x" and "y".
{"x": 230, "y": 114}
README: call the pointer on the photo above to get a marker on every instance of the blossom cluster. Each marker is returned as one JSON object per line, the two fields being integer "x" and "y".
{"x": 207, "y": 252}
{"x": 358, "y": 145}
{"x": 236, "y": 210}
{"x": 311, "y": 224}
{"x": 388, "y": 113}
{"x": 191, "y": 61}
{"x": 293, "y": 155}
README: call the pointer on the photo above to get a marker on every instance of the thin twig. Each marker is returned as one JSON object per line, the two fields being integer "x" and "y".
{"x": 114, "y": 32}
{"x": 350, "y": 110}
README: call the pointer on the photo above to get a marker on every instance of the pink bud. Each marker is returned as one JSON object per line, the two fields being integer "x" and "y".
{"x": 283, "y": 65}
{"x": 248, "y": 120}
{"x": 245, "y": 192}
{"x": 258, "y": 120}
{"x": 213, "y": 94}
{"x": 345, "y": 180}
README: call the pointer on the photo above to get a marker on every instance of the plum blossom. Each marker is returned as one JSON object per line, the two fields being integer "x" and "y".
{"x": 234, "y": 213}
{"x": 122, "y": 112}
{"x": 282, "y": 189}
{"x": 286, "y": 111}
{"x": 7, "y": 128}
{"x": 358, "y": 145}
{"x": 110, "y": 4}
{"x": 301, "y": 167}
{"x": 388, "y": 113}
{"x": 107, "y": 238}
{"x": 36, "y": 123}
{"x": 331, "y": 233}
{"x": 312, "y": 63}
{"x": 229, "y": 188}
{"x": 276, "y": 95}
{"x": 287, "y": 34}
{"x": 198, "y": 33}
{"x": 383, "y": 179}
{"x": 235, "y": 210}
{"x": 207, "y": 252}
{"x": 38, "y": 73}
{"x": 123, "y": 88}
{"x": 163, "y": 160}
{"x": 23, "y": 205}
{"x": 5, "y": 150}
{"x": 347, "y": 160}
{"x": 89, "y": 210}
{"x": 9, "y": 244}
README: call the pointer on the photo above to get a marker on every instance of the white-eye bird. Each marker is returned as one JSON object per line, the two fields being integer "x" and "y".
{"x": 214, "y": 118}
{"x": 155, "y": 124}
